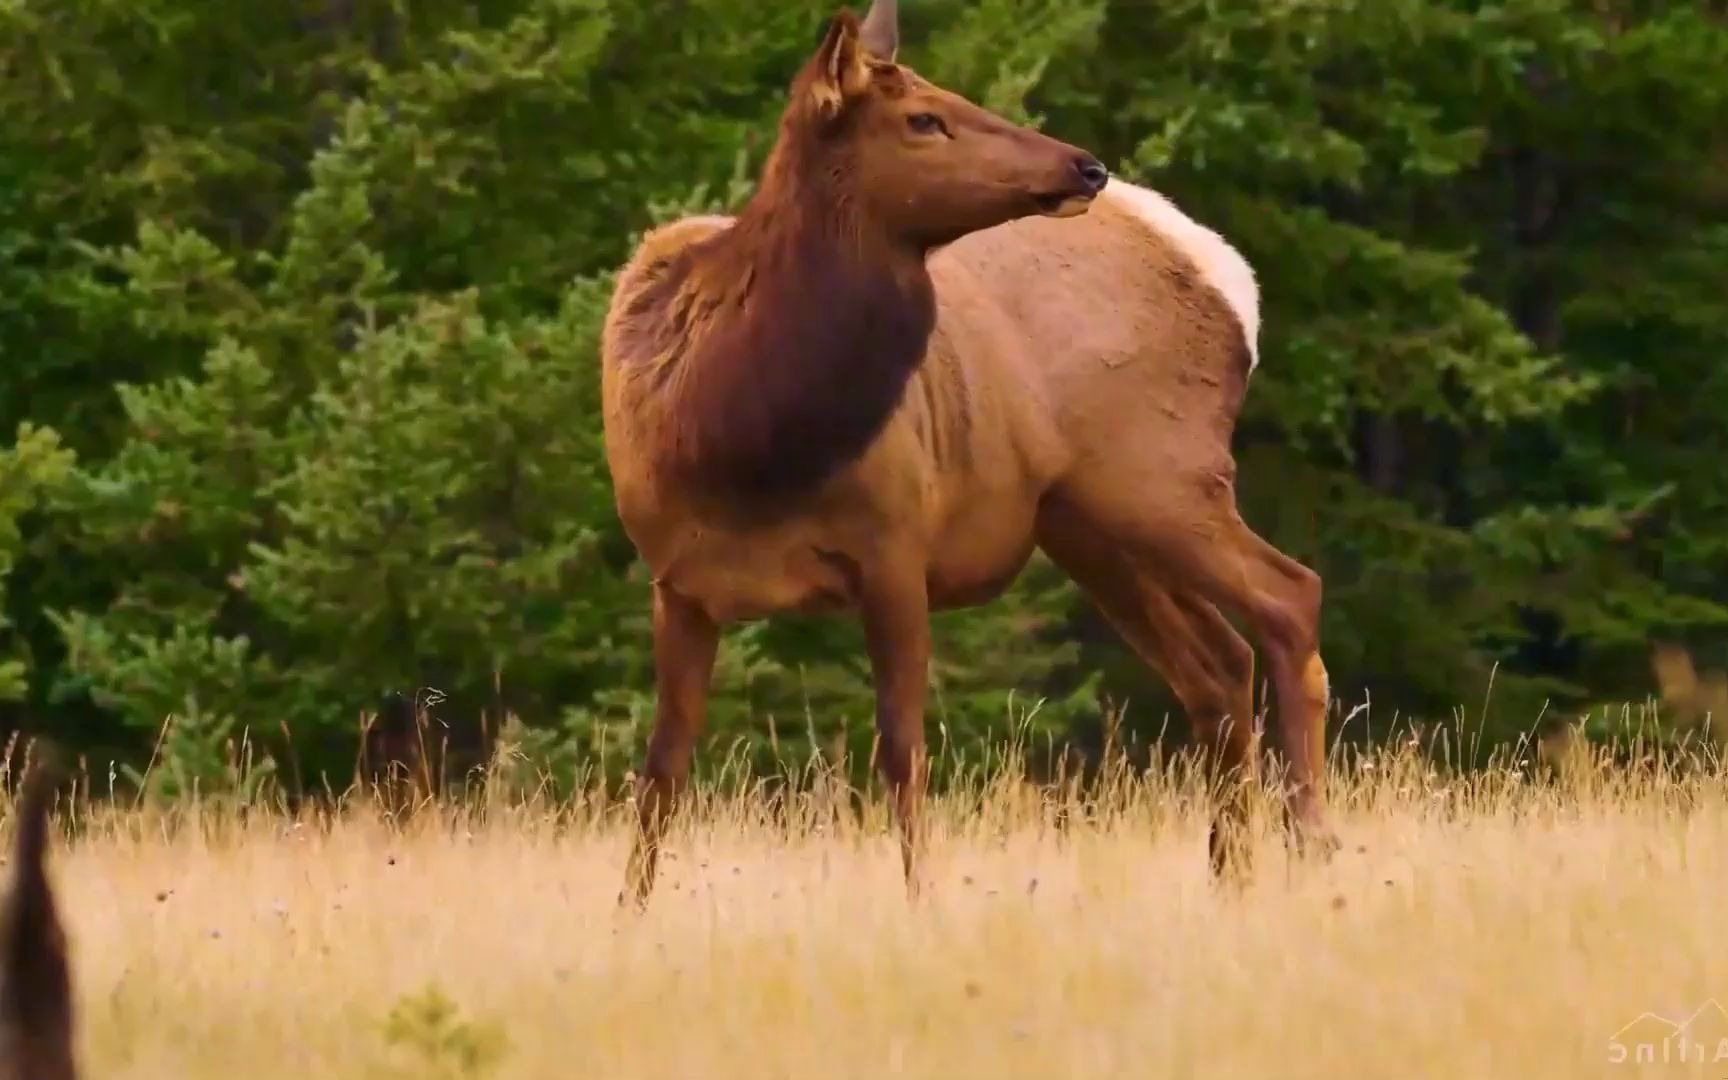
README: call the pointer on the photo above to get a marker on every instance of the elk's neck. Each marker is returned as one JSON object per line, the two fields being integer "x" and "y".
{"x": 799, "y": 338}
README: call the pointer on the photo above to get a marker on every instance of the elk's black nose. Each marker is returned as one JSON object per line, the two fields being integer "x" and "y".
{"x": 1092, "y": 173}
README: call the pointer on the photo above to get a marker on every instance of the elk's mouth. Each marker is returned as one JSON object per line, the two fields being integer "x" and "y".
{"x": 1062, "y": 204}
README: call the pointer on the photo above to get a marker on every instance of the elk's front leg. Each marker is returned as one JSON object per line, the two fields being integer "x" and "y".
{"x": 896, "y": 612}
{"x": 685, "y": 640}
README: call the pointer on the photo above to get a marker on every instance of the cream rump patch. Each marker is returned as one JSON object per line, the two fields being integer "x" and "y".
{"x": 1221, "y": 265}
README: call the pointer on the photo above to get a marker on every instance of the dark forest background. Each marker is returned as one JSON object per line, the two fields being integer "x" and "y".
{"x": 298, "y": 388}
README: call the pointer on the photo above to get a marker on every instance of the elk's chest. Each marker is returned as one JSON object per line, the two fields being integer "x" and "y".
{"x": 737, "y": 572}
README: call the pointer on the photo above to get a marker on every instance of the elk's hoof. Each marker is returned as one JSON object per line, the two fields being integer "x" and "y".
{"x": 1317, "y": 842}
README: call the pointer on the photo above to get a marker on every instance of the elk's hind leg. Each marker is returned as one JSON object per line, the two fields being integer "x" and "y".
{"x": 1183, "y": 520}
{"x": 1183, "y": 638}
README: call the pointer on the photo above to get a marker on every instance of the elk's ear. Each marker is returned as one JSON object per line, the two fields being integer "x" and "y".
{"x": 841, "y": 72}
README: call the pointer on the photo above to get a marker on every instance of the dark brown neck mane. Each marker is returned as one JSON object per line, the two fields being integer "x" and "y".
{"x": 791, "y": 336}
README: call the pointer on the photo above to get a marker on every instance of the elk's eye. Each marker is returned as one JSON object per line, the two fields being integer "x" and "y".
{"x": 926, "y": 123}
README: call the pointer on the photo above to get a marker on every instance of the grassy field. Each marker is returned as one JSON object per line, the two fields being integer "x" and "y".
{"x": 1491, "y": 927}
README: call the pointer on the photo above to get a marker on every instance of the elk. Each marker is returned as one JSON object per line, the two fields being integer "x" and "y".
{"x": 403, "y": 753}
{"x": 36, "y": 1013}
{"x": 929, "y": 343}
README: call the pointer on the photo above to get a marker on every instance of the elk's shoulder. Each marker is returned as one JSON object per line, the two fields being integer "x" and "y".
{"x": 648, "y": 282}
{"x": 661, "y": 247}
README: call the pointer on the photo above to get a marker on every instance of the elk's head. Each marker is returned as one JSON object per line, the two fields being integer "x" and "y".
{"x": 921, "y": 163}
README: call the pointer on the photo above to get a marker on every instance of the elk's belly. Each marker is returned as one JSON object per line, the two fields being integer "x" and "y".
{"x": 980, "y": 553}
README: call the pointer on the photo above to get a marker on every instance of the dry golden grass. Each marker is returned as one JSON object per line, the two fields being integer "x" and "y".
{"x": 1479, "y": 928}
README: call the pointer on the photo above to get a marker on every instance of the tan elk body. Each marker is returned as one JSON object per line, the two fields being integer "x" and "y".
{"x": 932, "y": 342}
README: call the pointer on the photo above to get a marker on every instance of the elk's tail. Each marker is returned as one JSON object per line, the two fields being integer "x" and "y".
{"x": 36, "y": 1014}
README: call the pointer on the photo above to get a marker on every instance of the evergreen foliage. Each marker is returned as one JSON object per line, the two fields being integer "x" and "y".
{"x": 299, "y": 307}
